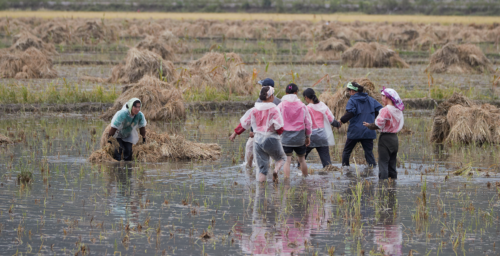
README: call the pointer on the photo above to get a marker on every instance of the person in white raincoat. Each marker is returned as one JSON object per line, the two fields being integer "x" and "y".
{"x": 322, "y": 134}
{"x": 124, "y": 127}
{"x": 267, "y": 124}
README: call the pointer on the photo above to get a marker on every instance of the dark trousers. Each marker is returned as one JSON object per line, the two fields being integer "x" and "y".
{"x": 324, "y": 155}
{"x": 125, "y": 149}
{"x": 388, "y": 146}
{"x": 367, "y": 147}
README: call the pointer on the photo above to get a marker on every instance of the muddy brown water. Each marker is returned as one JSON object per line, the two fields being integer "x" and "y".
{"x": 163, "y": 208}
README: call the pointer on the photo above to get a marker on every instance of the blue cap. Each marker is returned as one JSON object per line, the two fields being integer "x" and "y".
{"x": 266, "y": 82}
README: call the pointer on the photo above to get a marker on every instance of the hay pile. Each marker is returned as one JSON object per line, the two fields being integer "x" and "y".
{"x": 156, "y": 45}
{"x": 159, "y": 148}
{"x": 460, "y": 120}
{"x": 337, "y": 101}
{"x": 465, "y": 58}
{"x": 139, "y": 63}
{"x": 25, "y": 40}
{"x": 225, "y": 72}
{"x": 160, "y": 100}
{"x": 330, "y": 49}
{"x": 372, "y": 55}
{"x": 168, "y": 38}
{"x": 28, "y": 64}
{"x": 89, "y": 32}
{"x": 28, "y": 57}
{"x": 5, "y": 140}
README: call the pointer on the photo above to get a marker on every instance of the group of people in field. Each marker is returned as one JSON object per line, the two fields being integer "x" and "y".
{"x": 280, "y": 127}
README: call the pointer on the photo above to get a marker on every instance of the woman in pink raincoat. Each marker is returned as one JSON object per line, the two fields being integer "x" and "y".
{"x": 297, "y": 128}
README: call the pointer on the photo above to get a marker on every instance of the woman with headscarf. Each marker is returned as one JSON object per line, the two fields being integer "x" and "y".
{"x": 389, "y": 122}
{"x": 360, "y": 107}
{"x": 124, "y": 127}
{"x": 267, "y": 124}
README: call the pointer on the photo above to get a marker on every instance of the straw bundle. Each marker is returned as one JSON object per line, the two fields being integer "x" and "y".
{"x": 372, "y": 55}
{"x": 90, "y": 32}
{"x": 31, "y": 63}
{"x": 337, "y": 101}
{"x": 160, "y": 148}
{"x": 5, "y": 140}
{"x": 160, "y": 100}
{"x": 330, "y": 49}
{"x": 466, "y": 58}
{"x": 139, "y": 63}
{"x": 225, "y": 72}
{"x": 168, "y": 38}
{"x": 460, "y": 120}
{"x": 26, "y": 40}
{"x": 154, "y": 44}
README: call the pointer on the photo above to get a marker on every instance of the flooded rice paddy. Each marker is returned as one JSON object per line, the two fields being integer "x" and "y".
{"x": 217, "y": 208}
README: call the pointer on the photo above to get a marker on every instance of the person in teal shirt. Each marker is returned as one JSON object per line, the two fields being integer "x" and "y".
{"x": 124, "y": 127}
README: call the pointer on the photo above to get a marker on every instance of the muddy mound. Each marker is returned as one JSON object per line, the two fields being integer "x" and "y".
{"x": 225, "y": 72}
{"x": 160, "y": 147}
{"x": 459, "y": 120}
{"x": 372, "y": 55}
{"x": 28, "y": 64}
{"x": 160, "y": 100}
{"x": 465, "y": 58}
{"x": 139, "y": 63}
{"x": 337, "y": 101}
{"x": 156, "y": 45}
{"x": 330, "y": 49}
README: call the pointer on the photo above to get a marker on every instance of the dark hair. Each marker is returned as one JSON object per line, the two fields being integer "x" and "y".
{"x": 360, "y": 88}
{"x": 291, "y": 88}
{"x": 133, "y": 104}
{"x": 310, "y": 94}
{"x": 263, "y": 93}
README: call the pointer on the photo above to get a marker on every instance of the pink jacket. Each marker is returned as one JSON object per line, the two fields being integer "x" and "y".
{"x": 296, "y": 117}
{"x": 317, "y": 117}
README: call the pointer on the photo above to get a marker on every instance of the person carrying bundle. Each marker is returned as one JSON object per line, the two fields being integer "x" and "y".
{"x": 297, "y": 128}
{"x": 322, "y": 120}
{"x": 124, "y": 127}
{"x": 389, "y": 122}
{"x": 360, "y": 107}
{"x": 267, "y": 124}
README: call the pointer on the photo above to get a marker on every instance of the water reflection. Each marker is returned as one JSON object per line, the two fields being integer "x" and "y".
{"x": 127, "y": 195}
{"x": 388, "y": 234}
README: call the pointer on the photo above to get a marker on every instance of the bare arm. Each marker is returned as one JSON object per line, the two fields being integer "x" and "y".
{"x": 112, "y": 131}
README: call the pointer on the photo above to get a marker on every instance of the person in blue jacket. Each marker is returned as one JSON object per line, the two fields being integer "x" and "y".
{"x": 360, "y": 108}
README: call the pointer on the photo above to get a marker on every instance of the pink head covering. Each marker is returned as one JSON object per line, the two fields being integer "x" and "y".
{"x": 394, "y": 97}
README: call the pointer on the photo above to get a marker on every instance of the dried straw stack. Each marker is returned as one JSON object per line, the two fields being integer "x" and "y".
{"x": 337, "y": 101}
{"x": 138, "y": 63}
{"x": 465, "y": 58}
{"x": 156, "y": 45}
{"x": 330, "y": 49}
{"x": 160, "y": 100}
{"x": 159, "y": 148}
{"x": 28, "y": 57}
{"x": 460, "y": 120}
{"x": 225, "y": 72}
{"x": 5, "y": 140}
{"x": 372, "y": 55}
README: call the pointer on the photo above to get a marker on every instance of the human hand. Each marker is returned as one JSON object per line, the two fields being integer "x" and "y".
{"x": 232, "y": 137}
{"x": 308, "y": 141}
{"x": 251, "y": 134}
{"x": 366, "y": 124}
{"x": 144, "y": 140}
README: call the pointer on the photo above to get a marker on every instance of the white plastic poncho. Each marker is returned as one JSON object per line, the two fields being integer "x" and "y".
{"x": 265, "y": 119}
{"x": 296, "y": 120}
{"x": 322, "y": 134}
{"x": 390, "y": 120}
{"x": 127, "y": 125}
